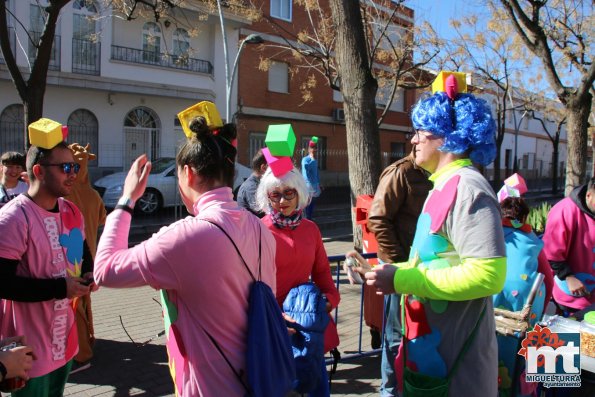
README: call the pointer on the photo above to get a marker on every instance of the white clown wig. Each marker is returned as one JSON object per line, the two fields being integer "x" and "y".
{"x": 291, "y": 180}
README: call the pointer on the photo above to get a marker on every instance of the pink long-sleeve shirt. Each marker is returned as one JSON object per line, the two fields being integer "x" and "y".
{"x": 205, "y": 285}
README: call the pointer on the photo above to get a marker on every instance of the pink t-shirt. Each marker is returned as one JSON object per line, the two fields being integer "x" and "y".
{"x": 204, "y": 286}
{"x": 48, "y": 245}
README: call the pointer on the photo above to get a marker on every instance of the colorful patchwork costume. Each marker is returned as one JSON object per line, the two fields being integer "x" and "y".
{"x": 525, "y": 260}
{"x": 457, "y": 262}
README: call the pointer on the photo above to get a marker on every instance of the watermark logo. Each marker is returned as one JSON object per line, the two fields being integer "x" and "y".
{"x": 552, "y": 358}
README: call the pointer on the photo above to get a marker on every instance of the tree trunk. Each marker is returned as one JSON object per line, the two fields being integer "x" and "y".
{"x": 32, "y": 109}
{"x": 358, "y": 87}
{"x": 555, "y": 159}
{"x": 576, "y": 158}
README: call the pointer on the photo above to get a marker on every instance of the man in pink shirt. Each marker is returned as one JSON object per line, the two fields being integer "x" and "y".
{"x": 42, "y": 257}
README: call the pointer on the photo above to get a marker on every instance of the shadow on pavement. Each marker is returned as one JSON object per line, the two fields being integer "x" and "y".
{"x": 356, "y": 376}
{"x": 128, "y": 369}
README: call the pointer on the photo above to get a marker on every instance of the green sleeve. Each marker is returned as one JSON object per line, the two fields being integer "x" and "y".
{"x": 473, "y": 278}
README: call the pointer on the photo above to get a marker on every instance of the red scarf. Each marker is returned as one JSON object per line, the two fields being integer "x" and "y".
{"x": 523, "y": 227}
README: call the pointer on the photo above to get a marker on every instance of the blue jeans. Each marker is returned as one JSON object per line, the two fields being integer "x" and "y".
{"x": 310, "y": 209}
{"x": 390, "y": 348}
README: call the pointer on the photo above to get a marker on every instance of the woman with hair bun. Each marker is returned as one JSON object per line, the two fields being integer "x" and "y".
{"x": 203, "y": 281}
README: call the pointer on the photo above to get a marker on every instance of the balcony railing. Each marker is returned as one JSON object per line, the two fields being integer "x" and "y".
{"x": 86, "y": 57}
{"x": 12, "y": 41}
{"x": 55, "y": 55}
{"x": 134, "y": 55}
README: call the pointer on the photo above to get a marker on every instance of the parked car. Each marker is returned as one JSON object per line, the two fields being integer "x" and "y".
{"x": 162, "y": 186}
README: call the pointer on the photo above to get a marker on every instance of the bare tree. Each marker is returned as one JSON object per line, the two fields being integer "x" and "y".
{"x": 32, "y": 84}
{"x": 558, "y": 33}
{"x": 494, "y": 58}
{"x": 548, "y": 112}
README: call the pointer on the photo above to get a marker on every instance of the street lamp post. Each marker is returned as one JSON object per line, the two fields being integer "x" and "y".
{"x": 250, "y": 39}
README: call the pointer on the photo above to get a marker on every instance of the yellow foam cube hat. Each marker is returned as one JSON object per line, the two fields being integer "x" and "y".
{"x": 46, "y": 133}
{"x": 206, "y": 109}
{"x": 440, "y": 84}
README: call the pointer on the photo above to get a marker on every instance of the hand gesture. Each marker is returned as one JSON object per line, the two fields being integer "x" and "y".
{"x": 17, "y": 360}
{"x": 136, "y": 180}
{"x": 576, "y": 287}
{"x": 381, "y": 278}
{"x": 354, "y": 272}
{"x": 75, "y": 287}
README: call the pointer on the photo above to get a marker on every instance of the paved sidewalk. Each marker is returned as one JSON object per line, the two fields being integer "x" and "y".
{"x": 120, "y": 368}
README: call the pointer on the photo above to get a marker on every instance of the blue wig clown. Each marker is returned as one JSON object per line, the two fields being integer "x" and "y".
{"x": 463, "y": 120}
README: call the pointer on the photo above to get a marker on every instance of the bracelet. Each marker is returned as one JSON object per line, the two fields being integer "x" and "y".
{"x": 124, "y": 207}
{"x": 2, "y": 370}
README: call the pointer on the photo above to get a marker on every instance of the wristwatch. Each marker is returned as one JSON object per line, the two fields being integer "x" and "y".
{"x": 126, "y": 204}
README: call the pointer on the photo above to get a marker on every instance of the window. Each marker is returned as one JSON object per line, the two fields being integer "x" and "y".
{"x": 281, "y": 9}
{"x": 397, "y": 151}
{"x": 181, "y": 42}
{"x": 142, "y": 134}
{"x": 37, "y": 19}
{"x": 256, "y": 141}
{"x": 85, "y": 48}
{"x": 151, "y": 43}
{"x": 181, "y": 47}
{"x": 383, "y": 95}
{"x": 279, "y": 77}
{"x": 83, "y": 129}
{"x": 12, "y": 127}
{"x": 322, "y": 152}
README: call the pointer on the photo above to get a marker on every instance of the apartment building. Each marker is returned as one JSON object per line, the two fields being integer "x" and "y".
{"x": 118, "y": 84}
{"x": 274, "y": 96}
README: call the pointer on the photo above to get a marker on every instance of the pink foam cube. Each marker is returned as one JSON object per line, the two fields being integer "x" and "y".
{"x": 279, "y": 165}
{"x": 517, "y": 182}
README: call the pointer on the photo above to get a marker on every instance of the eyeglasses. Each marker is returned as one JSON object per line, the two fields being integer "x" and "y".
{"x": 288, "y": 194}
{"x": 419, "y": 136}
{"x": 67, "y": 168}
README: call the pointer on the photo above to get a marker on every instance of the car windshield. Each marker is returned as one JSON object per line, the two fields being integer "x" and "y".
{"x": 160, "y": 165}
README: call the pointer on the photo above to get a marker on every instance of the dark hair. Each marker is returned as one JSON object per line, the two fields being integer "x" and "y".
{"x": 36, "y": 154}
{"x": 258, "y": 160}
{"x": 591, "y": 185}
{"x": 515, "y": 208}
{"x": 210, "y": 154}
{"x": 13, "y": 158}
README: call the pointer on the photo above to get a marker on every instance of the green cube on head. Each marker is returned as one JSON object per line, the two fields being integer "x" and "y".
{"x": 280, "y": 140}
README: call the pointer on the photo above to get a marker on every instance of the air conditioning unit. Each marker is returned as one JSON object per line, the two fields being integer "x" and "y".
{"x": 338, "y": 114}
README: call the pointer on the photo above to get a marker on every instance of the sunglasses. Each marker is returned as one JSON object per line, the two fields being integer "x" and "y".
{"x": 419, "y": 136}
{"x": 67, "y": 168}
{"x": 288, "y": 194}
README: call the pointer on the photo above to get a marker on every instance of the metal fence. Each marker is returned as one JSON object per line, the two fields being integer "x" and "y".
{"x": 338, "y": 260}
{"x": 86, "y": 57}
{"x": 134, "y": 55}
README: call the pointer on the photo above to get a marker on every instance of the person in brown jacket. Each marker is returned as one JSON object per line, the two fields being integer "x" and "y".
{"x": 397, "y": 203}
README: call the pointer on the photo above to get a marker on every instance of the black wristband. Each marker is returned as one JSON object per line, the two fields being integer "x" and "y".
{"x": 125, "y": 208}
{"x": 2, "y": 371}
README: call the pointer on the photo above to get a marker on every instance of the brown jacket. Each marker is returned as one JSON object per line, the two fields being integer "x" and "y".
{"x": 397, "y": 203}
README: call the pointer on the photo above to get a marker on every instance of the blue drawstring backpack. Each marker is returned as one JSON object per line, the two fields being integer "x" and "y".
{"x": 307, "y": 306}
{"x": 269, "y": 360}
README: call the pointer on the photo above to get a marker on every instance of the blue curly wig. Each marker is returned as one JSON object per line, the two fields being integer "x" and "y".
{"x": 474, "y": 130}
